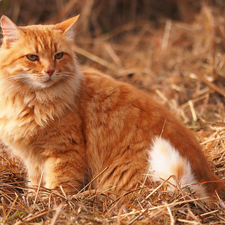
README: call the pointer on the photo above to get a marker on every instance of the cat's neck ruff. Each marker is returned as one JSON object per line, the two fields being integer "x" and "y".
{"x": 24, "y": 111}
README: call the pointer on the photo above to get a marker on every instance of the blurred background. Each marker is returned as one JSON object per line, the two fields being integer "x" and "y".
{"x": 172, "y": 49}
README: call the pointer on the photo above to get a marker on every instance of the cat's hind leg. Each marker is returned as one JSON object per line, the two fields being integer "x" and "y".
{"x": 123, "y": 175}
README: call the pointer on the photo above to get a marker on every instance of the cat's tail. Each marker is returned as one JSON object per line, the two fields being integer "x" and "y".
{"x": 165, "y": 160}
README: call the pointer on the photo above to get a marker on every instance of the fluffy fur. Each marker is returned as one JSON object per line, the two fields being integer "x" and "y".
{"x": 165, "y": 161}
{"x": 72, "y": 125}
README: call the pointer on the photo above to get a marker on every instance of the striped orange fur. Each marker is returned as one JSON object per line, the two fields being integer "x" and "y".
{"x": 71, "y": 125}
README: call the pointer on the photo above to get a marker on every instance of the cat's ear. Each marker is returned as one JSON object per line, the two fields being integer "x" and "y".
{"x": 68, "y": 26}
{"x": 11, "y": 32}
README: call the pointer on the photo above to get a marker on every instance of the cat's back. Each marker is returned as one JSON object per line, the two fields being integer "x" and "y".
{"x": 119, "y": 115}
{"x": 97, "y": 84}
{"x": 105, "y": 90}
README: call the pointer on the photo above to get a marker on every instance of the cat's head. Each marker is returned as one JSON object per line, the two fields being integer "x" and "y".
{"x": 38, "y": 56}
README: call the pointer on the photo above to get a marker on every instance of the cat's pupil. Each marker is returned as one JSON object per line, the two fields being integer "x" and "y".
{"x": 59, "y": 55}
{"x": 32, "y": 57}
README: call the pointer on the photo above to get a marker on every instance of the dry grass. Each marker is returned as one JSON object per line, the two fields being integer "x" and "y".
{"x": 179, "y": 64}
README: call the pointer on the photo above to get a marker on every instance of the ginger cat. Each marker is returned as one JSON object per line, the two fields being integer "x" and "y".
{"x": 70, "y": 125}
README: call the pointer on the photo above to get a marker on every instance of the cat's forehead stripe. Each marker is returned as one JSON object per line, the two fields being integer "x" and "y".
{"x": 45, "y": 39}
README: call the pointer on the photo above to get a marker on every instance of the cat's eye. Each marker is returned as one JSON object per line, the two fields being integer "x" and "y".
{"x": 59, "y": 55}
{"x": 32, "y": 57}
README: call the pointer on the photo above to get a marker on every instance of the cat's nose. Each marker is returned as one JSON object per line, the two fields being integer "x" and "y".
{"x": 49, "y": 72}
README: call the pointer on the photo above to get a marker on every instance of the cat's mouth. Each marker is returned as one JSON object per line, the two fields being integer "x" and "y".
{"x": 48, "y": 82}
{"x": 43, "y": 83}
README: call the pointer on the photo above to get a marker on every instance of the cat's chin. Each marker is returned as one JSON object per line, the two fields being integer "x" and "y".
{"x": 43, "y": 85}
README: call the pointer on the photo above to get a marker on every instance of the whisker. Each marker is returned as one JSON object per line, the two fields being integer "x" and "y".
{"x": 14, "y": 77}
{"x": 68, "y": 73}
